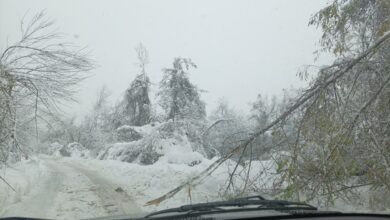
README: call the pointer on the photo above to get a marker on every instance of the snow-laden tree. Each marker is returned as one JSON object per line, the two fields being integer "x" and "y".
{"x": 36, "y": 73}
{"x": 227, "y": 127}
{"x": 137, "y": 99}
{"x": 96, "y": 126}
{"x": 223, "y": 110}
{"x": 179, "y": 98}
{"x": 263, "y": 111}
{"x": 340, "y": 121}
{"x": 92, "y": 131}
{"x": 343, "y": 131}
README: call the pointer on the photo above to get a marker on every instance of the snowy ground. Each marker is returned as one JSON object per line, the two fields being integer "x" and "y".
{"x": 54, "y": 188}
{"x": 69, "y": 188}
{"x": 75, "y": 188}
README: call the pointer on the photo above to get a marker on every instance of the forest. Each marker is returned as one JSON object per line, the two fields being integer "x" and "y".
{"x": 329, "y": 142}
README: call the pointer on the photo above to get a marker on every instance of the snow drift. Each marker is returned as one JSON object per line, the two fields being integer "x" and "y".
{"x": 71, "y": 150}
{"x": 173, "y": 142}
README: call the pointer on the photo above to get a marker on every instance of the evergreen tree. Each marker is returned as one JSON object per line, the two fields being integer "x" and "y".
{"x": 179, "y": 98}
{"x": 137, "y": 100}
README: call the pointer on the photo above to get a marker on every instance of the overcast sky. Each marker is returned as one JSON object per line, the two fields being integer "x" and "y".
{"x": 242, "y": 47}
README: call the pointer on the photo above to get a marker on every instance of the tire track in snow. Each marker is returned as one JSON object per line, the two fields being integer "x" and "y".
{"x": 76, "y": 197}
{"x": 71, "y": 191}
{"x": 113, "y": 198}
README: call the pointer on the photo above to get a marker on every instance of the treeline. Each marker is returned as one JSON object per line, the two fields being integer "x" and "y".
{"x": 177, "y": 100}
{"x": 334, "y": 135}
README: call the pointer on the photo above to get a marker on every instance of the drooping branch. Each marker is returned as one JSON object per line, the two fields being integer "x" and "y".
{"x": 206, "y": 131}
{"x": 304, "y": 98}
{"x": 37, "y": 72}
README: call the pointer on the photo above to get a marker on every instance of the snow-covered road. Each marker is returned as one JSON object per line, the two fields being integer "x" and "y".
{"x": 76, "y": 188}
{"x": 70, "y": 191}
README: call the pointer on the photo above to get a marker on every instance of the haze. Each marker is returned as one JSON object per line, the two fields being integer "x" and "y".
{"x": 242, "y": 48}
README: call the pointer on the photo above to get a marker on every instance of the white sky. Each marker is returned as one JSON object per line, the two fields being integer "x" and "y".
{"x": 242, "y": 47}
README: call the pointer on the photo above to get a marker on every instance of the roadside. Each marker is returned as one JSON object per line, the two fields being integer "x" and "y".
{"x": 65, "y": 191}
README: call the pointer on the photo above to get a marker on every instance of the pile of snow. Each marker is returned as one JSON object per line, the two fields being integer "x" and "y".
{"x": 126, "y": 152}
{"x": 71, "y": 150}
{"x": 179, "y": 154}
{"x": 54, "y": 148}
{"x": 172, "y": 142}
{"x": 22, "y": 177}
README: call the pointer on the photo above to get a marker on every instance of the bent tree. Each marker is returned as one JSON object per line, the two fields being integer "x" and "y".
{"x": 341, "y": 121}
{"x": 37, "y": 73}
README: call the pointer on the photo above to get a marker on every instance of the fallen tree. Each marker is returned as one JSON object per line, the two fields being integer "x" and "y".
{"x": 330, "y": 78}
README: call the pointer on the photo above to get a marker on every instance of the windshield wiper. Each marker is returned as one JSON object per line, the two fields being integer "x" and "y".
{"x": 253, "y": 203}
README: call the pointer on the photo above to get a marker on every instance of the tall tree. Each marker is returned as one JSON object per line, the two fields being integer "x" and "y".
{"x": 179, "y": 98}
{"x": 137, "y": 95}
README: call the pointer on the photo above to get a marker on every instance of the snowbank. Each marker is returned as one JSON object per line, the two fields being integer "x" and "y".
{"x": 22, "y": 176}
{"x": 71, "y": 150}
{"x": 172, "y": 142}
{"x": 54, "y": 149}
